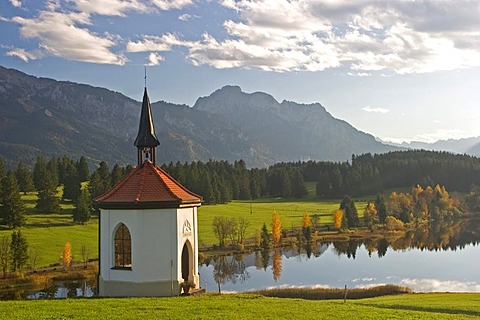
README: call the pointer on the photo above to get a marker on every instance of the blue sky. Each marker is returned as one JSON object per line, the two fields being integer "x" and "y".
{"x": 400, "y": 70}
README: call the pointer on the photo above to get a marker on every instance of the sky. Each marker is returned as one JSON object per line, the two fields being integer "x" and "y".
{"x": 399, "y": 70}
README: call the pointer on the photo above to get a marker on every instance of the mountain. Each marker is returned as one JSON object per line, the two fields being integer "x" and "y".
{"x": 41, "y": 116}
{"x": 291, "y": 131}
{"x": 470, "y": 146}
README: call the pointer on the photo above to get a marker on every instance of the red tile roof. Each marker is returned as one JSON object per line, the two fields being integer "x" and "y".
{"x": 147, "y": 186}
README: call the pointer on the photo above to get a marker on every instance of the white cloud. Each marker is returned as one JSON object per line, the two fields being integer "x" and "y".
{"x": 16, "y": 3}
{"x": 24, "y": 55}
{"x": 154, "y": 59}
{"x": 171, "y": 4}
{"x": 359, "y": 74}
{"x": 109, "y": 7}
{"x": 365, "y": 35}
{"x": 375, "y": 109}
{"x": 59, "y": 35}
{"x": 154, "y": 43}
{"x": 185, "y": 17}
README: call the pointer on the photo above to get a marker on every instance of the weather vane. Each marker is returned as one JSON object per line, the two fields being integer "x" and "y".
{"x": 145, "y": 78}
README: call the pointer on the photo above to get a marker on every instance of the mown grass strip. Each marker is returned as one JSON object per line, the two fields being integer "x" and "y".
{"x": 246, "y": 306}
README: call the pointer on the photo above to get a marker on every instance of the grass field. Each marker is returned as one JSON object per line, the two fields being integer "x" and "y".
{"x": 249, "y": 306}
{"x": 47, "y": 232}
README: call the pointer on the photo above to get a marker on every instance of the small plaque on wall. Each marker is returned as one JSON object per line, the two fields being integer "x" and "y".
{"x": 187, "y": 228}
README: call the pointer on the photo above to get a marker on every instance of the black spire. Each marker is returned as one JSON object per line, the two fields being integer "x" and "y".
{"x": 146, "y": 140}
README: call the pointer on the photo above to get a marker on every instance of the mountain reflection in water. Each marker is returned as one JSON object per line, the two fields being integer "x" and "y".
{"x": 438, "y": 252}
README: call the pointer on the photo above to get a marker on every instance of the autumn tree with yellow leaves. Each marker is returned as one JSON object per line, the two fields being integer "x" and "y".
{"x": 276, "y": 229}
{"x": 338, "y": 217}
{"x": 67, "y": 255}
{"x": 306, "y": 227}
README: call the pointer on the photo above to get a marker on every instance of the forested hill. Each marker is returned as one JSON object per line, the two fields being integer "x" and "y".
{"x": 41, "y": 116}
{"x": 369, "y": 174}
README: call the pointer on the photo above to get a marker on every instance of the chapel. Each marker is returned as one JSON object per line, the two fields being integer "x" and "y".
{"x": 148, "y": 240}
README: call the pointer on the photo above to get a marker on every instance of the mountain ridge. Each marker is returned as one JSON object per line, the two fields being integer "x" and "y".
{"x": 41, "y": 116}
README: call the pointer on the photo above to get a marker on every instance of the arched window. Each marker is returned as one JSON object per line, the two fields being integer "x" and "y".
{"x": 123, "y": 247}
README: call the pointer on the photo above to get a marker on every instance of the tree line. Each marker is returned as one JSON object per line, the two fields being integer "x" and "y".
{"x": 221, "y": 181}
{"x": 370, "y": 174}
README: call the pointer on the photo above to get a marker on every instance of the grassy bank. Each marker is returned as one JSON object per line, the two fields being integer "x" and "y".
{"x": 248, "y": 306}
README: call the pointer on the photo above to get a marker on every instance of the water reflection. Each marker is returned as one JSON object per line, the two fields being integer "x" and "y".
{"x": 55, "y": 290}
{"x": 232, "y": 272}
{"x": 432, "y": 236}
{"x": 228, "y": 269}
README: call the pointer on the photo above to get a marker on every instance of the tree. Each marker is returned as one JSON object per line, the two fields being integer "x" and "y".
{"x": 71, "y": 182}
{"x": 315, "y": 220}
{"x": 243, "y": 224}
{"x": 85, "y": 251}
{"x": 52, "y": 167}
{"x": 298, "y": 185}
{"x": 338, "y": 218}
{"x": 265, "y": 237}
{"x": 12, "y": 210}
{"x": 370, "y": 214}
{"x": 18, "y": 251}
{"x": 276, "y": 229}
{"x": 47, "y": 197}
{"x": 381, "y": 208}
{"x": 39, "y": 173}
{"x": 24, "y": 178}
{"x": 220, "y": 229}
{"x": 83, "y": 207}
{"x": 116, "y": 175}
{"x": 393, "y": 223}
{"x": 4, "y": 254}
{"x": 306, "y": 227}
{"x": 82, "y": 169}
{"x": 67, "y": 255}
{"x": 351, "y": 214}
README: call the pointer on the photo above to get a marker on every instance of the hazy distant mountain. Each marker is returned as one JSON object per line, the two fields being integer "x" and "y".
{"x": 53, "y": 118}
{"x": 469, "y": 146}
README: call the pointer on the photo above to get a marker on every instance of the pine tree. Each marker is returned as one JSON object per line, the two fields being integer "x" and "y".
{"x": 12, "y": 210}
{"x": 351, "y": 214}
{"x": 39, "y": 173}
{"x": 116, "y": 175}
{"x": 53, "y": 168}
{"x": 4, "y": 254}
{"x": 71, "y": 182}
{"x": 18, "y": 251}
{"x": 83, "y": 207}
{"x": 381, "y": 208}
{"x": 82, "y": 169}
{"x": 298, "y": 185}
{"x": 265, "y": 237}
{"x": 24, "y": 178}
{"x": 47, "y": 197}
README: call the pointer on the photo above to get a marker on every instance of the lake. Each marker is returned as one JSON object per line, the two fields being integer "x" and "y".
{"x": 433, "y": 257}
{"x": 437, "y": 257}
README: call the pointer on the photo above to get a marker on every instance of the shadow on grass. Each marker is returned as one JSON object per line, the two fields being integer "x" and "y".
{"x": 424, "y": 309}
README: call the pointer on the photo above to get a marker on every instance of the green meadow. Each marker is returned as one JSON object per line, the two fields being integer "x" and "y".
{"x": 47, "y": 232}
{"x": 249, "y": 306}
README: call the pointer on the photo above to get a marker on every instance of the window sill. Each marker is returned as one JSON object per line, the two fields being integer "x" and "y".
{"x": 121, "y": 268}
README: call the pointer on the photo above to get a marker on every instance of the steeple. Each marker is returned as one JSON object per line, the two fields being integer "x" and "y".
{"x": 146, "y": 141}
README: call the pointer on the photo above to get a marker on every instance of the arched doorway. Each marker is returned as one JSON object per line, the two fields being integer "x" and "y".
{"x": 186, "y": 267}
